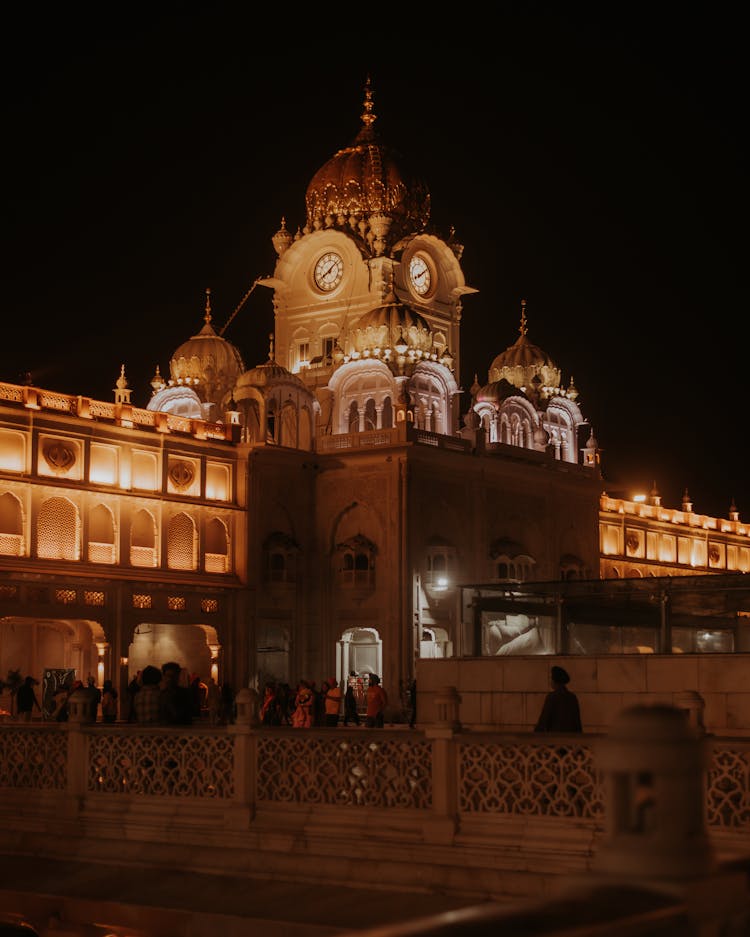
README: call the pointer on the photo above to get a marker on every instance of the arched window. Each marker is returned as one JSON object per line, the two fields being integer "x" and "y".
{"x": 357, "y": 563}
{"x": 511, "y": 561}
{"x": 143, "y": 539}
{"x": 58, "y": 530}
{"x": 101, "y": 545}
{"x": 11, "y": 525}
{"x": 182, "y": 543}
{"x": 353, "y": 417}
{"x": 370, "y": 415}
{"x": 217, "y": 547}
{"x": 440, "y": 565}
{"x": 288, "y": 436}
{"x": 280, "y": 558}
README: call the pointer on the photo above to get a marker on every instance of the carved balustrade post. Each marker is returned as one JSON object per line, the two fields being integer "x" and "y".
{"x": 79, "y": 715}
{"x": 440, "y": 827}
{"x": 242, "y": 812}
{"x": 693, "y": 705}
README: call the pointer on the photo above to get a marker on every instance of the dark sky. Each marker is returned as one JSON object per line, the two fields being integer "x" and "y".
{"x": 592, "y": 167}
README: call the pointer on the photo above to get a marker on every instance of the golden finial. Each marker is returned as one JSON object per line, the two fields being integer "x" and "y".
{"x": 208, "y": 305}
{"x": 270, "y": 347}
{"x": 368, "y": 118}
{"x": 522, "y": 327}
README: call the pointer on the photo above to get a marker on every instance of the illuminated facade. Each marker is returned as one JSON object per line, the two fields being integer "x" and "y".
{"x": 317, "y": 513}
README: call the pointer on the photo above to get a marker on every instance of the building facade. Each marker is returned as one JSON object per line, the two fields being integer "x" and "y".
{"x": 319, "y": 513}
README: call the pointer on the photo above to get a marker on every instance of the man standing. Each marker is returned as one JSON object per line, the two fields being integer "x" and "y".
{"x": 26, "y": 699}
{"x": 333, "y": 703}
{"x": 560, "y": 712}
{"x": 377, "y": 700}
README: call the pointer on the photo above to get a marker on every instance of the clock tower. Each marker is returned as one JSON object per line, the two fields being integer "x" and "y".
{"x": 367, "y": 297}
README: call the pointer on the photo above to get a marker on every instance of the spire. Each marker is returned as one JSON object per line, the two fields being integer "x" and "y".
{"x": 122, "y": 393}
{"x": 157, "y": 381}
{"x": 207, "y": 317}
{"x": 687, "y": 504}
{"x": 522, "y": 327}
{"x": 655, "y": 497}
{"x": 734, "y": 514}
{"x": 368, "y": 117}
{"x": 270, "y": 347}
{"x": 282, "y": 239}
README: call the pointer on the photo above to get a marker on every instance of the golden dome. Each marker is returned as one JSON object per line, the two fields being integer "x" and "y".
{"x": 496, "y": 392}
{"x": 207, "y": 362}
{"x": 390, "y": 324}
{"x": 366, "y": 188}
{"x": 523, "y": 361}
{"x": 270, "y": 372}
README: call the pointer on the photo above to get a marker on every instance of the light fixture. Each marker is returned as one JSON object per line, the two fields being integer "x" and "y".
{"x": 401, "y": 345}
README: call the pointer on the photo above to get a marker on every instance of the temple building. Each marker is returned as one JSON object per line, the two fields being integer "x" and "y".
{"x": 334, "y": 508}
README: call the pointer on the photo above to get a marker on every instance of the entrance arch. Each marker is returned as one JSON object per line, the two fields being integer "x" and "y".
{"x": 359, "y": 649}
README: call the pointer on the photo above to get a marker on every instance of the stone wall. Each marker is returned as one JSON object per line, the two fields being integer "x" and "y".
{"x": 506, "y": 693}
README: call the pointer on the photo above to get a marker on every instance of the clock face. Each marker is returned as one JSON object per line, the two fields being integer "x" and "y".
{"x": 329, "y": 271}
{"x": 419, "y": 274}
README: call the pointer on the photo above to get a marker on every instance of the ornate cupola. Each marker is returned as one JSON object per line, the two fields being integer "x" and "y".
{"x": 207, "y": 362}
{"x": 122, "y": 391}
{"x": 366, "y": 190}
{"x": 521, "y": 362}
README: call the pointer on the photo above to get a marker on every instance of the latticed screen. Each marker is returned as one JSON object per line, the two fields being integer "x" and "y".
{"x": 181, "y": 543}
{"x": 209, "y": 605}
{"x": 66, "y": 596}
{"x": 141, "y": 601}
{"x": 93, "y": 598}
{"x": 58, "y": 527}
{"x": 176, "y": 603}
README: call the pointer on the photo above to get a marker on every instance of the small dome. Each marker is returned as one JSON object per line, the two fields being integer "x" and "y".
{"x": 496, "y": 392}
{"x": 367, "y": 184}
{"x": 207, "y": 362}
{"x": 387, "y": 325}
{"x": 270, "y": 372}
{"x": 523, "y": 361}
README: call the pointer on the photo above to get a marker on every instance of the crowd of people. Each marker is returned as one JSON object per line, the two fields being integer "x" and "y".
{"x": 169, "y": 695}
{"x": 307, "y": 706}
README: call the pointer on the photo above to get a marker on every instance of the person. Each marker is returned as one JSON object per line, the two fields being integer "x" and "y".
{"x": 109, "y": 702}
{"x": 26, "y": 699}
{"x": 95, "y": 697}
{"x": 213, "y": 702}
{"x": 302, "y": 717}
{"x": 198, "y": 695}
{"x": 133, "y": 687}
{"x": 412, "y": 702}
{"x": 175, "y": 698}
{"x": 228, "y": 708}
{"x": 351, "y": 713}
{"x": 377, "y": 700}
{"x": 146, "y": 700}
{"x": 332, "y": 703}
{"x": 269, "y": 710}
{"x": 319, "y": 703}
{"x": 560, "y": 711}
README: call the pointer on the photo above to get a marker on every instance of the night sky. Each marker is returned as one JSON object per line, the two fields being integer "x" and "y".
{"x": 591, "y": 167}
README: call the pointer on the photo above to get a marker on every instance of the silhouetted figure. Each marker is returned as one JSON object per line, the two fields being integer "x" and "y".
{"x": 175, "y": 699}
{"x": 350, "y": 706}
{"x": 109, "y": 702}
{"x": 146, "y": 700}
{"x": 560, "y": 712}
{"x": 26, "y": 699}
{"x": 412, "y": 703}
{"x": 377, "y": 700}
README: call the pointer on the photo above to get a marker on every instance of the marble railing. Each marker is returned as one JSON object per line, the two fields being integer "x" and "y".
{"x": 453, "y": 773}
